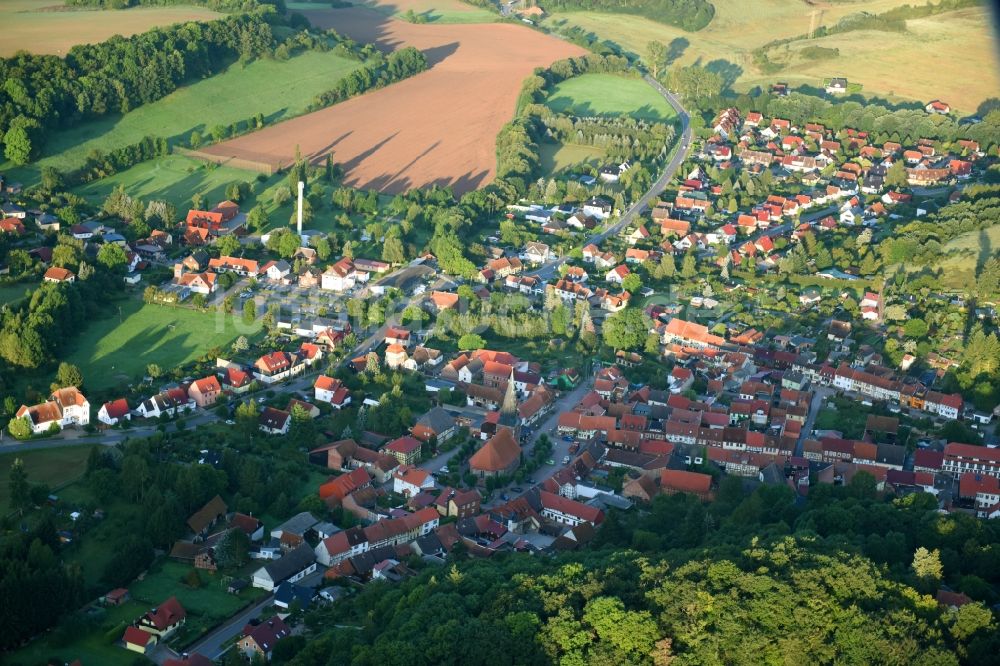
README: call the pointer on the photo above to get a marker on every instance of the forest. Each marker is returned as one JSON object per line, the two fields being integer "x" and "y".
{"x": 690, "y": 15}
{"x": 749, "y": 579}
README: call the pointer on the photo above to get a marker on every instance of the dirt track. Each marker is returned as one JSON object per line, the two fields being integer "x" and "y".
{"x": 438, "y": 127}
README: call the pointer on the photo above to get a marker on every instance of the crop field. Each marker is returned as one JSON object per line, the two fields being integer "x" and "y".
{"x": 43, "y": 26}
{"x": 962, "y": 76}
{"x": 53, "y": 467}
{"x": 609, "y": 95}
{"x": 557, "y": 157}
{"x": 438, "y": 127}
{"x": 111, "y": 350}
{"x": 276, "y": 89}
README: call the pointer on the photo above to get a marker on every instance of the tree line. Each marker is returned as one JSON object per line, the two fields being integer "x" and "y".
{"x": 42, "y": 93}
{"x": 378, "y": 72}
{"x": 690, "y": 15}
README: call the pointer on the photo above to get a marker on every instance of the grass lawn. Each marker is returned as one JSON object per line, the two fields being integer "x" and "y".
{"x": 53, "y": 467}
{"x": 870, "y": 58}
{"x": 609, "y": 95}
{"x": 959, "y": 271}
{"x": 173, "y": 178}
{"x": 277, "y": 89}
{"x": 109, "y": 350}
{"x": 12, "y": 293}
{"x": 557, "y": 157}
{"x": 44, "y": 26}
{"x": 164, "y": 581}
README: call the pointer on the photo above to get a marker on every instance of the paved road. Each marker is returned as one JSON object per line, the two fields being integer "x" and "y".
{"x": 547, "y": 270}
{"x": 212, "y": 645}
{"x": 819, "y": 397}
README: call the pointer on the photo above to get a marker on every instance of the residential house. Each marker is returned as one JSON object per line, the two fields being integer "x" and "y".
{"x": 114, "y": 412}
{"x": 274, "y": 421}
{"x": 65, "y": 407}
{"x": 436, "y": 423}
{"x": 331, "y": 391}
{"x": 164, "y": 620}
{"x": 205, "y": 391}
{"x": 57, "y": 275}
{"x": 340, "y": 277}
{"x": 409, "y": 481}
{"x": 404, "y": 449}
{"x": 293, "y": 566}
{"x": 259, "y": 639}
{"x": 536, "y": 253}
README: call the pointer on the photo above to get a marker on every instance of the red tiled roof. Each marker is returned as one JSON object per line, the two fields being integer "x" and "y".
{"x": 167, "y": 614}
{"x": 683, "y": 481}
{"x": 136, "y": 636}
{"x": 117, "y": 408}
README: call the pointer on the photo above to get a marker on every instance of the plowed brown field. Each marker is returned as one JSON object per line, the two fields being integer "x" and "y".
{"x": 438, "y": 127}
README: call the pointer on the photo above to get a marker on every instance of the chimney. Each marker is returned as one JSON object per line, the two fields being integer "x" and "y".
{"x": 302, "y": 187}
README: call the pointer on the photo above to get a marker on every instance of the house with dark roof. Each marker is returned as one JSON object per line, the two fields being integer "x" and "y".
{"x": 260, "y": 639}
{"x": 293, "y": 566}
{"x": 207, "y": 516}
{"x": 437, "y": 422}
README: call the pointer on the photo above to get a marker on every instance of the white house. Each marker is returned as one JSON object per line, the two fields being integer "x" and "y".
{"x": 599, "y": 207}
{"x": 171, "y": 402}
{"x": 341, "y": 276}
{"x": 331, "y": 391}
{"x": 114, "y": 412}
{"x": 277, "y": 270}
{"x": 65, "y": 407}
{"x": 292, "y": 567}
{"x": 536, "y": 253}
{"x": 408, "y": 480}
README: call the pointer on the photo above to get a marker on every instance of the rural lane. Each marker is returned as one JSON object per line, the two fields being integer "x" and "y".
{"x": 548, "y": 269}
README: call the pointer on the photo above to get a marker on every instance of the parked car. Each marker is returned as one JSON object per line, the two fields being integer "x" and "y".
{"x": 567, "y": 438}
{"x": 565, "y": 460}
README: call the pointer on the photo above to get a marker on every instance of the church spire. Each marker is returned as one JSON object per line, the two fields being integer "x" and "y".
{"x": 508, "y": 410}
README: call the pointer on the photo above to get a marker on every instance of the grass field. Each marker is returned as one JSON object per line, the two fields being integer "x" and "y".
{"x": 53, "y": 467}
{"x": 557, "y": 157}
{"x": 12, "y": 293}
{"x": 109, "y": 351}
{"x": 609, "y": 95}
{"x": 42, "y": 26}
{"x": 727, "y": 43}
{"x": 433, "y": 11}
{"x": 959, "y": 271}
{"x": 173, "y": 178}
{"x": 277, "y": 89}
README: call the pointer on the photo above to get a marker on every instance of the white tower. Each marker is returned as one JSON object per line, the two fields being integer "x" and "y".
{"x": 302, "y": 187}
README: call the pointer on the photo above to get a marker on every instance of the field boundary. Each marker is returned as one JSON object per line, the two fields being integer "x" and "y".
{"x": 267, "y": 168}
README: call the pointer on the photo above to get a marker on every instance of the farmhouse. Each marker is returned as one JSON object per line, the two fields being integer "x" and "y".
{"x": 56, "y": 274}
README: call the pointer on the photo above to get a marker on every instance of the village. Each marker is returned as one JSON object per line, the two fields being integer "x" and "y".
{"x": 705, "y": 373}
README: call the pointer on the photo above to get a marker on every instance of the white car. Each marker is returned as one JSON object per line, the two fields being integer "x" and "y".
{"x": 565, "y": 460}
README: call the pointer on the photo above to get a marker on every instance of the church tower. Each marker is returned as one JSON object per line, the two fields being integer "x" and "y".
{"x": 508, "y": 410}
